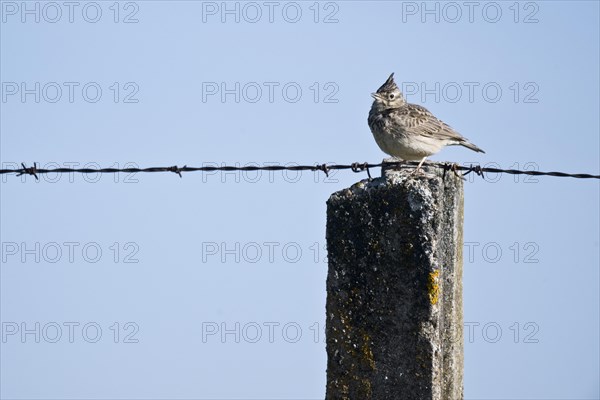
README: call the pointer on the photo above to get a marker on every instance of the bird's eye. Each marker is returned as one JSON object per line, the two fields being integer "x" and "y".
{"x": 391, "y": 96}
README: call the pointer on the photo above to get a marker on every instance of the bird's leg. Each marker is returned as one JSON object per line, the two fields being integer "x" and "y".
{"x": 419, "y": 166}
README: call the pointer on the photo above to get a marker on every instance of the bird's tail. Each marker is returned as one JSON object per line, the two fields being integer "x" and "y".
{"x": 471, "y": 146}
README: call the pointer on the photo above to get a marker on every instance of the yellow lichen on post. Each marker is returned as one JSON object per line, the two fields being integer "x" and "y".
{"x": 433, "y": 287}
{"x": 367, "y": 352}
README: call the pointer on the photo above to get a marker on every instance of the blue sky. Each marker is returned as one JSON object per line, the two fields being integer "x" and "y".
{"x": 213, "y": 285}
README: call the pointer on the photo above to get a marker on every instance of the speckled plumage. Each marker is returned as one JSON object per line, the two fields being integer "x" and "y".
{"x": 409, "y": 131}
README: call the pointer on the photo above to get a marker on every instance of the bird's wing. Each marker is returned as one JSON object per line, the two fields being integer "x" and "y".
{"x": 420, "y": 121}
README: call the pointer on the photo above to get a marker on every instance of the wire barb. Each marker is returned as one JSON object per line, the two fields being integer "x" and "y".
{"x": 454, "y": 167}
{"x": 479, "y": 171}
{"x": 360, "y": 167}
{"x": 29, "y": 171}
{"x": 322, "y": 167}
{"x": 176, "y": 170}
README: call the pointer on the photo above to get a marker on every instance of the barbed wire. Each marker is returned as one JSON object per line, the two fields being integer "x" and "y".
{"x": 325, "y": 168}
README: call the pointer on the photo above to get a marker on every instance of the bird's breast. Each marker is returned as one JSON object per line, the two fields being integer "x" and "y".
{"x": 395, "y": 138}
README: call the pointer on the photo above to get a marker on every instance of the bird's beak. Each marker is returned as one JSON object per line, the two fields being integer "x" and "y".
{"x": 375, "y": 95}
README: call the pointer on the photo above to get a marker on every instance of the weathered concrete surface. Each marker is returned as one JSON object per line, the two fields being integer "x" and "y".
{"x": 394, "y": 288}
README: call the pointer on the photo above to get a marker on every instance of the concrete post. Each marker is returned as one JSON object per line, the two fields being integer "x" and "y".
{"x": 394, "y": 321}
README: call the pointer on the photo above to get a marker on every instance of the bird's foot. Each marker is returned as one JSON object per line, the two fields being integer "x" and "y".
{"x": 419, "y": 172}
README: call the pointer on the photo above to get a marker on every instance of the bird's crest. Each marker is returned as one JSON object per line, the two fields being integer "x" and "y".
{"x": 389, "y": 85}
